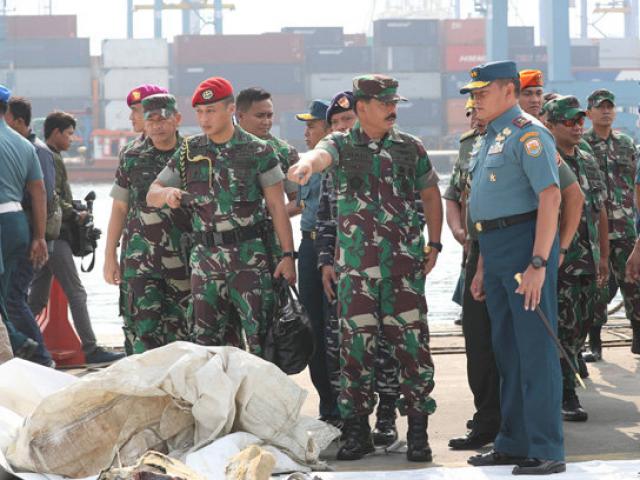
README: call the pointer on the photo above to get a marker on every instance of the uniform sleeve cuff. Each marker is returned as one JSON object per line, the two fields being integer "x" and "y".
{"x": 271, "y": 177}
{"x": 119, "y": 193}
{"x": 452, "y": 194}
{"x": 428, "y": 180}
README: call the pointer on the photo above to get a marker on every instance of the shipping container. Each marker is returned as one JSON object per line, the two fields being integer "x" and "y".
{"x": 318, "y": 36}
{"x": 288, "y": 103}
{"x": 585, "y": 56}
{"x": 453, "y": 82}
{"x": 326, "y": 85}
{"x": 422, "y": 132}
{"x": 619, "y": 48}
{"x": 135, "y": 53}
{"x": 462, "y": 58}
{"x": 118, "y": 82}
{"x": 356, "y": 40}
{"x": 526, "y": 56}
{"x": 420, "y": 112}
{"x": 268, "y": 48}
{"x": 406, "y": 31}
{"x": 50, "y": 82}
{"x": 41, "y": 107}
{"x": 292, "y": 130}
{"x": 116, "y": 115}
{"x": 187, "y": 111}
{"x": 277, "y": 79}
{"x": 470, "y": 31}
{"x": 50, "y": 52}
{"x": 456, "y": 115}
{"x": 596, "y": 74}
{"x": 521, "y": 37}
{"x": 406, "y": 59}
{"x": 338, "y": 60}
{"x": 40, "y": 26}
{"x": 419, "y": 85}
{"x": 629, "y": 61}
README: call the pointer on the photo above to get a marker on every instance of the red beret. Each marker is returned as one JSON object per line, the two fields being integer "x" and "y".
{"x": 143, "y": 91}
{"x": 212, "y": 90}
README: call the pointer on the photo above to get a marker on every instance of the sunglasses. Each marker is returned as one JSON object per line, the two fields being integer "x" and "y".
{"x": 573, "y": 122}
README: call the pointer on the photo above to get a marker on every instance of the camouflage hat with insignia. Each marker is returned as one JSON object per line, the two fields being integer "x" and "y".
{"x": 162, "y": 104}
{"x": 563, "y": 108}
{"x": 483, "y": 75}
{"x": 599, "y": 96}
{"x": 380, "y": 87}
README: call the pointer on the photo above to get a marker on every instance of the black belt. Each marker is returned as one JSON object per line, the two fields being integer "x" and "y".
{"x": 504, "y": 222}
{"x": 229, "y": 237}
{"x": 309, "y": 235}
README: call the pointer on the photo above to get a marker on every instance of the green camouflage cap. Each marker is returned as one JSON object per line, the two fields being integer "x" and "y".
{"x": 563, "y": 108}
{"x": 599, "y": 96}
{"x": 162, "y": 104}
{"x": 380, "y": 87}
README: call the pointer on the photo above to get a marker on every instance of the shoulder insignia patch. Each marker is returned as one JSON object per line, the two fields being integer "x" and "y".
{"x": 521, "y": 121}
{"x": 533, "y": 147}
{"x": 529, "y": 135}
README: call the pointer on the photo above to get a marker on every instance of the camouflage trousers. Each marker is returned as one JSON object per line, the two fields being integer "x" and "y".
{"x": 619, "y": 251}
{"x": 154, "y": 312}
{"x": 396, "y": 307}
{"x": 577, "y": 299}
{"x": 226, "y": 303}
{"x": 386, "y": 367}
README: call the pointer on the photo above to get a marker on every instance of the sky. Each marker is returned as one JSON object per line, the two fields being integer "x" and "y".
{"x": 100, "y": 19}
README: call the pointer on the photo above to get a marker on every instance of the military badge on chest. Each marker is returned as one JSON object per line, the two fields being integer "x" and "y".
{"x": 498, "y": 144}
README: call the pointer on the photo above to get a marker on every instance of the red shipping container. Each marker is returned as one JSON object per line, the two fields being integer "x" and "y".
{"x": 41, "y": 26}
{"x": 456, "y": 114}
{"x": 471, "y": 31}
{"x": 462, "y": 58}
{"x": 268, "y": 48}
{"x": 355, "y": 40}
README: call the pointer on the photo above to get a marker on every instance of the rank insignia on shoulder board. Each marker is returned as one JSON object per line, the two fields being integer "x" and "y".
{"x": 533, "y": 147}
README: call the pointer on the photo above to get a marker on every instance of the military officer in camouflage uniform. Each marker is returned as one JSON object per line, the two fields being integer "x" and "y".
{"x": 226, "y": 176}
{"x": 111, "y": 269}
{"x": 381, "y": 261}
{"x": 586, "y": 263}
{"x": 156, "y": 278}
{"x": 616, "y": 156}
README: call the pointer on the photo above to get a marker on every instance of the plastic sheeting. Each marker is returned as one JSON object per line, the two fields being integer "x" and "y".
{"x": 174, "y": 399}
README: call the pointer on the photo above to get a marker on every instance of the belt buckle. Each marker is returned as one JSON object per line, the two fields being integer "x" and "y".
{"x": 314, "y": 234}
{"x": 478, "y": 226}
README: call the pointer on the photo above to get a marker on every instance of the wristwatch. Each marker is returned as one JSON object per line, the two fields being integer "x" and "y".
{"x": 564, "y": 251}
{"x": 538, "y": 262}
{"x": 436, "y": 245}
{"x": 289, "y": 254}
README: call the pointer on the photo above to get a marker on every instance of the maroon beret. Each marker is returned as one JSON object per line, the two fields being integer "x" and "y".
{"x": 143, "y": 91}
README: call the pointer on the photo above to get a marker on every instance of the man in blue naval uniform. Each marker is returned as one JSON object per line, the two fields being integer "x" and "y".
{"x": 514, "y": 204}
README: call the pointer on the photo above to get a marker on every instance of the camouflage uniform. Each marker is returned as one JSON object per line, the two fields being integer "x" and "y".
{"x": 616, "y": 157}
{"x": 229, "y": 279}
{"x": 156, "y": 284}
{"x": 287, "y": 155}
{"x": 379, "y": 264}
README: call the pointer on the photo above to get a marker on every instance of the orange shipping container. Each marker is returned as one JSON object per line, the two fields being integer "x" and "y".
{"x": 471, "y": 31}
{"x": 456, "y": 114}
{"x": 355, "y": 40}
{"x": 461, "y": 58}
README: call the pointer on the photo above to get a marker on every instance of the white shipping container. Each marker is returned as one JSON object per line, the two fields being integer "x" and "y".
{"x": 620, "y": 62}
{"x": 118, "y": 82}
{"x": 419, "y": 85}
{"x": 326, "y": 85}
{"x": 52, "y": 82}
{"x": 135, "y": 53}
{"x": 116, "y": 115}
{"x": 619, "y": 48}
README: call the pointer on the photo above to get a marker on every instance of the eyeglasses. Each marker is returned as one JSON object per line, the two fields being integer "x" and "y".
{"x": 573, "y": 122}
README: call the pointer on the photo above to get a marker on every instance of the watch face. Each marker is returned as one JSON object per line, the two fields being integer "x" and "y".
{"x": 537, "y": 262}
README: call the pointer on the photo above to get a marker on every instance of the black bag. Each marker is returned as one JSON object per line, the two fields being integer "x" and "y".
{"x": 289, "y": 342}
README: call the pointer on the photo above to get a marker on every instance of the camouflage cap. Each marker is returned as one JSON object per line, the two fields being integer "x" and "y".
{"x": 380, "y": 87}
{"x": 599, "y": 96}
{"x": 163, "y": 104}
{"x": 563, "y": 108}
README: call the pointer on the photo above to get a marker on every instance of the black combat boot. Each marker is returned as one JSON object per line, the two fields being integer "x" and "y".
{"x": 583, "y": 371}
{"x": 635, "y": 343}
{"x": 418, "y": 449}
{"x": 595, "y": 345}
{"x": 572, "y": 411}
{"x": 358, "y": 442}
{"x": 385, "y": 432}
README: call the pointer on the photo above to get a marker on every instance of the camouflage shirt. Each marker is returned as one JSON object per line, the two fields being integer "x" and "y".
{"x": 458, "y": 183}
{"x": 288, "y": 155}
{"x": 616, "y": 157}
{"x": 584, "y": 251}
{"x": 227, "y": 183}
{"x": 379, "y": 230}
{"x": 151, "y": 241}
